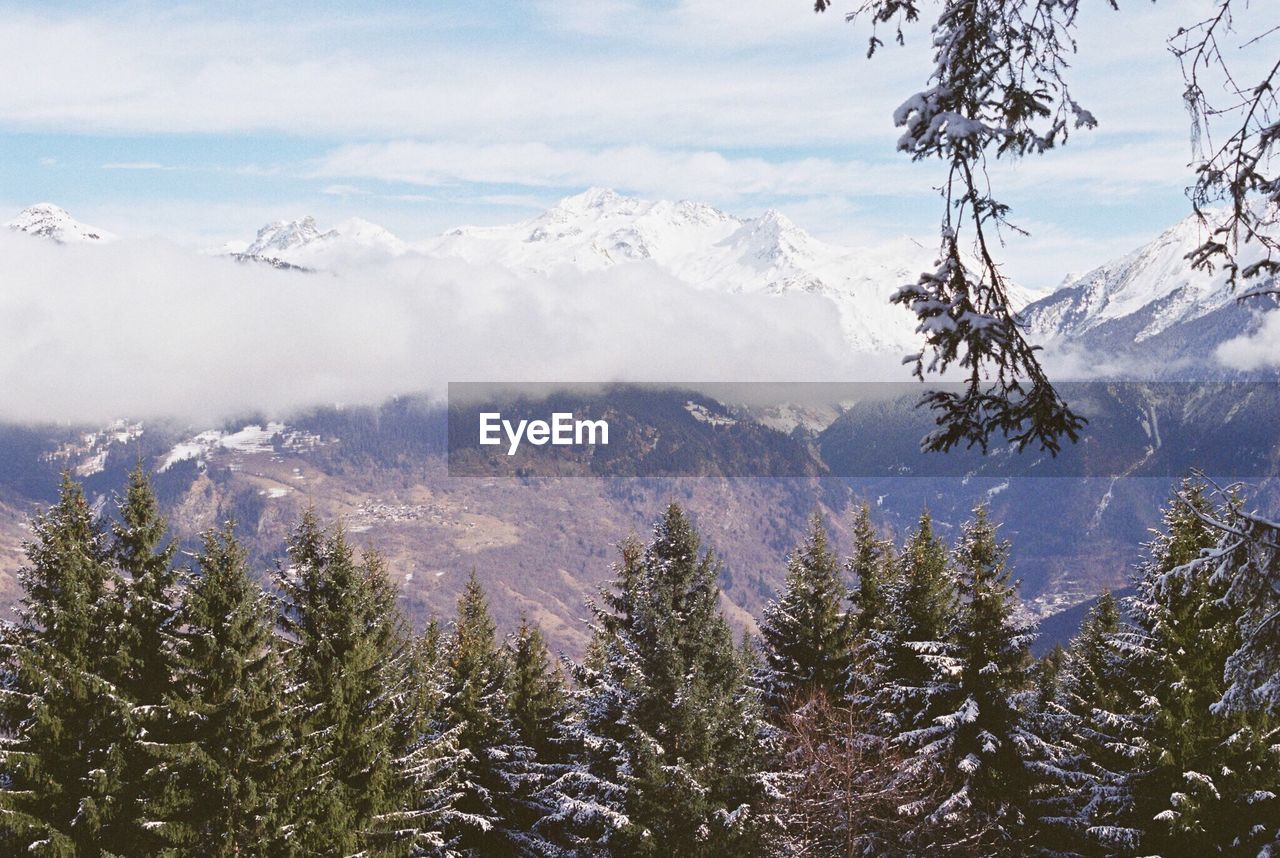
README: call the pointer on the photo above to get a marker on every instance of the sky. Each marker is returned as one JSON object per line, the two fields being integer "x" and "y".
{"x": 199, "y": 123}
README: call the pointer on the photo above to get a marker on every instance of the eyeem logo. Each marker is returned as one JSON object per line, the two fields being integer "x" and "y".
{"x": 562, "y": 431}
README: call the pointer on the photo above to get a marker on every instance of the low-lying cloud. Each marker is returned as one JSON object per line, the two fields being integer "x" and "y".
{"x": 146, "y": 329}
{"x": 1259, "y": 349}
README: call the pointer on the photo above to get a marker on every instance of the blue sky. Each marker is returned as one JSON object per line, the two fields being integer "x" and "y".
{"x": 199, "y": 123}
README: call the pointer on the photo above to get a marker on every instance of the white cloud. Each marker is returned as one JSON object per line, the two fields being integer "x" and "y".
{"x": 212, "y": 75}
{"x": 137, "y": 165}
{"x": 343, "y": 191}
{"x": 1257, "y": 350}
{"x": 636, "y": 168}
{"x": 148, "y": 329}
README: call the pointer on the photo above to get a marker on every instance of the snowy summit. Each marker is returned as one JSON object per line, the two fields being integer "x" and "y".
{"x": 50, "y": 221}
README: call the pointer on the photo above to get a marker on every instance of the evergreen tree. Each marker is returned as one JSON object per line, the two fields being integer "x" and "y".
{"x": 666, "y": 722}
{"x": 1202, "y": 780}
{"x": 62, "y": 720}
{"x": 808, "y": 635}
{"x": 346, "y": 658}
{"x": 1094, "y": 685}
{"x": 237, "y": 774}
{"x": 536, "y": 694}
{"x": 922, "y": 607}
{"x": 977, "y": 743}
{"x": 146, "y": 666}
{"x": 871, "y": 566}
{"x": 428, "y": 757}
{"x": 499, "y": 775}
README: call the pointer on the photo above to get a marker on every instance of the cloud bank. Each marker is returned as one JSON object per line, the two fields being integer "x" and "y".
{"x": 1257, "y": 350}
{"x": 147, "y": 329}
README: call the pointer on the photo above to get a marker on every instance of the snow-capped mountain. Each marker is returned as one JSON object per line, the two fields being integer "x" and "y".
{"x": 693, "y": 242}
{"x": 1149, "y": 303}
{"x": 50, "y": 221}
{"x": 301, "y": 244}
{"x": 711, "y": 249}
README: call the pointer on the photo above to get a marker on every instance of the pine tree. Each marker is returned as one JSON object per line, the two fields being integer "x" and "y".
{"x": 922, "y": 607}
{"x": 872, "y": 567}
{"x": 499, "y": 776}
{"x": 667, "y": 724}
{"x": 977, "y": 743}
{"x": 1094, "y": 689}
{"x": 237, "y": 773}
{"x": 536, "y": 694}
{"x": 346, "y": 660}
{"x": 808, "y": 634}
{"x": 1203, "y": 780}
{"x": 63, "y": 721}
{"x": 146, "y": 662}
{"x": 428, "y": 758}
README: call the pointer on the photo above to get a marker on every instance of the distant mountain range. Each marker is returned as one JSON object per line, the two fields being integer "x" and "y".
{"x": 1147, "y": 306}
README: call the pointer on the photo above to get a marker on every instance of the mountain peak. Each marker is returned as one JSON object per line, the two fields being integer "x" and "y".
{"x": 593, "y": 198}
{"x": 51, "y": 221}
{"x": 282, "y": 235}
{"x": 301, "y": 239}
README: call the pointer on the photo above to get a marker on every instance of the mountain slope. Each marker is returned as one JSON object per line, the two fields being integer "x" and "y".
{"x": 1150, "y": 304}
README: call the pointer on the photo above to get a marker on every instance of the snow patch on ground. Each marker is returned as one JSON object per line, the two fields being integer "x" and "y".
{"x": 87, "y": 455}
{"x": 705, "y": 415}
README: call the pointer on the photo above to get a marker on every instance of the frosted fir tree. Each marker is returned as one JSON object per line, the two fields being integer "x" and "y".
{"x": 976, "y": 745}
{"x": 808, "y": 634}
{"x": 922, "y": 605}
{"x": 345, "y": 658}
{"x": 234, "y": 774}
{"x": 1245, "y": 563}
{"x": 146, "y": 659}
{"x": 1094, "y": 688}
{"x": 1205, "y": 778}
{"x": 64, "y": 724}
{"x": 872, "y": 566}
{"x": 666, "y": 726}
{"x": 499, "y": 778}
{"x": 429, "y": 761}
{"x": 536, "y": 695}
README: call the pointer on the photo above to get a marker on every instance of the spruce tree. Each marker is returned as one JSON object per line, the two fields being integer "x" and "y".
{"x": 808, "y": 634}
{"x": 345, "y": 657}
{"x": 237, "y": 773}
{"x": 1204, "y": 779}
{"x": 1094, "y": 690}
{"x": 667, "y": 724}
{"x": 63, "y": 721}
{"x": 977, "y": 743}
{"x": 499, "y": 775}
{"x": 871, "y": 566}
{"x": 536, "y": 694}
{"x": 429, "y": 760}
{"x": 146, "y": 664}
{"x": 922, "y": 608}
